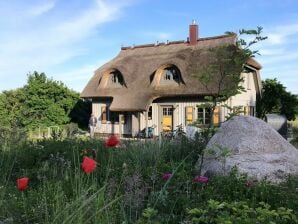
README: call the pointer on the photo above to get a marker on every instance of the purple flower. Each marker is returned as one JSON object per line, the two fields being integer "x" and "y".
{"x": 167, "y": 175}
{"x": 249, "y": 184}
{"x": 200, "y": 179}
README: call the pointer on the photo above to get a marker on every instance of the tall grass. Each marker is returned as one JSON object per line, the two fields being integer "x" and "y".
{"x": 127, "y": 186}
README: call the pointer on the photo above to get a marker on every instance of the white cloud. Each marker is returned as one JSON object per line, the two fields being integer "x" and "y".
{"x": 279, "y": 55}
{"x": 280, "y": 34}
{"x": 77, "y": 78}
{"x": 35, "y": 43}
{"x": 42, "y": 8}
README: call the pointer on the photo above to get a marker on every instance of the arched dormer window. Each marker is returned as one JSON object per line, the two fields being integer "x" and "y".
{"x": 170, "y": 74}
{"x": 116, "y": 78}
{"x": 167, "y": 75}
{"x": 112, "y": 79}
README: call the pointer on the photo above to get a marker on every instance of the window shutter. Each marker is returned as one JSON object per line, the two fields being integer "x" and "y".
{"x": 189, "y": 115}
{"x": 246, "y": 110}
{"x": 216, "y": 116}
{"x": 122, "y": 118}
{"x": 103, "y": 114}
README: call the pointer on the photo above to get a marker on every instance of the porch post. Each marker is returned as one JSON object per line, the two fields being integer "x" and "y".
{"x": 120, "y": 124}
{"x": 135, "y": 123}
{"x": 146, "y": 124}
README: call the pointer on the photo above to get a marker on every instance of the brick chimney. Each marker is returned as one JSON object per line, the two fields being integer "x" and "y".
{"x": 193, "y": 33}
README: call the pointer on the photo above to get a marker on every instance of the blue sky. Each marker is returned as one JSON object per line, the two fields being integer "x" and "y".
{"x": 68, "y": 40}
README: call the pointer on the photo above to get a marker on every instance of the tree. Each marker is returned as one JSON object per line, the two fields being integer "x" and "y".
{"x": 42, "y": 102}
{"x": 11, "y": 105}
{"x": 221, "y": 77}
{"x": 276, "y": 99}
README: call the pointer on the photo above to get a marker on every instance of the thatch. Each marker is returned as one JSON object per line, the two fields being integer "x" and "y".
{"x": 138, "y": 65}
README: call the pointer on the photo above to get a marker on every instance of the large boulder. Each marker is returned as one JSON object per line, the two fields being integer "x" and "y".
{"x": 254, "y": 147}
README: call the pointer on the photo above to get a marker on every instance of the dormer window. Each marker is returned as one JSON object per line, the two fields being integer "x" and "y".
{"x": 167, "y": 75}
{"x": 117, "y": 78}
{"x": 112, "y": 79}
{"x": 170, "y": 74}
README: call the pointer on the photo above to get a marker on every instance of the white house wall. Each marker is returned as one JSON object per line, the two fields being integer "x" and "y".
{"x": 247, "y": 98}
{"x": 108, "y": 127}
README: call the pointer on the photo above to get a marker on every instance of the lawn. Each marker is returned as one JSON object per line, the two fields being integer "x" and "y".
{"x": 135, "y": 182}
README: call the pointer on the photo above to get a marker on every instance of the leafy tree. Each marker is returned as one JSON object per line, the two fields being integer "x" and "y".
{"x": 11, "y": 105}
{"x": 48, "y": 102}
{"x": 42, "y": 102}
{"x": 221, "y": 77}
{"x": 276, "y": 99}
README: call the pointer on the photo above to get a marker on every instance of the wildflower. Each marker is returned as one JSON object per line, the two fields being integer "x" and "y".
{"x": 200, "y": 179}
{"x": 88, "y": 165}
{"x": 22, "y": 183}
{"x": 249, "y": 184}
{"x": 167, "y": 175}
{"x": 124, "y": 166}
{"x": 112, "y": 141}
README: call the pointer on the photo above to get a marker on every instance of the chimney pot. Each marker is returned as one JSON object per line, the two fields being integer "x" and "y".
{"x": 193, "y": 33}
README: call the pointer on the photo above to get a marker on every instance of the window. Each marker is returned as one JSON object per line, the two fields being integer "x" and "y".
{"x": 103, "y": 116}
{"x": 150, "y": 113}
{"x": 116, "y": 78}
{"x": 114, "y": 117}
{"x": 167, "y": 111}
{"x": 171, "y": 74}
{"x": 204, "y": 115}
{"x": 188, "y": 115}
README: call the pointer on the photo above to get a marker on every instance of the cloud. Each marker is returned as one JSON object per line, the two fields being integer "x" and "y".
{"x": 42, "y": 8}
{"x": 76, "y": 78}
{"x": 280, "y": 34}
{"x": 279, "y": 55}
{"x": 49, "y": 38}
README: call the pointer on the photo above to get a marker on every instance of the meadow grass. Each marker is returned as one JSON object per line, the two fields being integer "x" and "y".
{"x": 128, "y": 186}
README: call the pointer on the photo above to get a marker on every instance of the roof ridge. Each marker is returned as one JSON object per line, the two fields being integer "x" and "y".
{"x": 176, "y": 42}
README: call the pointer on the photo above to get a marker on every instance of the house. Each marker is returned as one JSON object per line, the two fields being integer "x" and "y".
{"x": 153, "y": 84}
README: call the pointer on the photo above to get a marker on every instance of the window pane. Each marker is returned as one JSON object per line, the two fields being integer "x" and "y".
{"x": 150, "y": 113}
{"x": 164, "y": 111}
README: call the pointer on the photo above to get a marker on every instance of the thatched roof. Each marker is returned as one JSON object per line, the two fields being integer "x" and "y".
{"x": 138, "y": 65}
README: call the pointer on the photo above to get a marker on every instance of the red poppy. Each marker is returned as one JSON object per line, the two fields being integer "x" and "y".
{"x": 88, "y": 165}
{"x": 112, "y": 141}
{"x": 22, "y": 183}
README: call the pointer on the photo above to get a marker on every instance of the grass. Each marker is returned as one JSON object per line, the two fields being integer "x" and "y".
{"x": 127, "y": 186}
{"x": 294, "y": 125}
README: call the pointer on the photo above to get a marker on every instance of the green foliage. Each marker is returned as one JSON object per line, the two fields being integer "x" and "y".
{"x": 48, "y": 102}
{"x": 275, "y": 99}
{"x": 11, "y": 107}
{"x": 42, "y": 102}
{"x": 240, "y": 212}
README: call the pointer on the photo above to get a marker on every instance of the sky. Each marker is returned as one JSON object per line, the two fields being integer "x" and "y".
{"x": 69, "y": 39}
